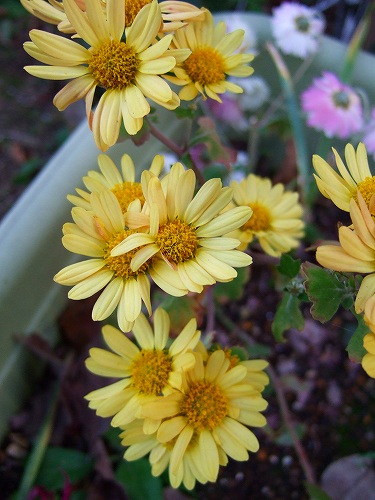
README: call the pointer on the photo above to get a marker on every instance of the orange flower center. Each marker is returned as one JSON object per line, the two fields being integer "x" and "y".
{"x": 206, "y": 66}
{"x": 126, "y": 192}
{"x": 260, "y": 219}
{"x": 150, "y": 372}
{"x": 177, "y": 241}
{"x": 121, "y": 263}
{"x": 114, "y": 65}
{"x": 367, "y": 189}
{"x": 205, "y": 406}
{"x": 132, "y": 7}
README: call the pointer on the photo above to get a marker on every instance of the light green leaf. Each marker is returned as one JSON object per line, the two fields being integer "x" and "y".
{"x": 327, "y": 290}
{"x": 74, "y": 463}
{"x": 288, "y": 315}
{"x": 288, "y": 266}
{"x": 138, "y": 482}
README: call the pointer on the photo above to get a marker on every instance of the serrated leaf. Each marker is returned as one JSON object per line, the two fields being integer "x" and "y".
{"x": 316, "y": 492}
{"x": 288, "y": 315}
{"x": 288, "y": 266}
{"x": 138, "y": 481}
{"x": 355, "y": 348}
{"x": 325, "y": 291}
{"x": 74, "y": 463}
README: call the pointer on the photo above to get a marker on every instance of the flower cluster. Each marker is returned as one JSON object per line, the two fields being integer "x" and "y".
{"x": 177, "y": 231}
{"x": 188, "y": 408}
{"x": 155, "y": 229}
{"x": 127, "y": 58}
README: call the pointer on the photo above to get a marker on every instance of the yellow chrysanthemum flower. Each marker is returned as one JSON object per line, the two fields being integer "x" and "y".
{"x": 343, "y": 186}
{"x": 51, "y": 11}
{"x": 187, "y": 230}
{"x": 152, "y": 370}
{"x": 128, "y": 71}
{"x": 140, "y": 444}
{"x": 212, "y": 59}
{"x": 256, "y": 377}
{"x": 356, "y": 251}
{"x": 122, "y": 184}
{"x": 276, "y": 220}
{"x": 368, "y": 360}
{"x": 207, "y": 419}
{"x": 94, "y": 234}
{"x": 175, "y": 13}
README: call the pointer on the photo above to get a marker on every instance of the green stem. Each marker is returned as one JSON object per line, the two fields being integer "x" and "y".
{"x": 356, "y": 43}
{"x": 252, "y": 143}
{"x": 37, "y": 454}
{"x": 304, "y": 174}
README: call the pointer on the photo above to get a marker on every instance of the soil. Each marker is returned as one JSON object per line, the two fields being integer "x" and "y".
{"x": 330, "y": 398}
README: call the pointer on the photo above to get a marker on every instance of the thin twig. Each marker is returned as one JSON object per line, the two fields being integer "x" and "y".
{"x": 179, "y": 151}
{"x": 158, "y": 134}
{"x": 285, "y": 412}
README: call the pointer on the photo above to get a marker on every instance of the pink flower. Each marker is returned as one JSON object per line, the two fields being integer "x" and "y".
{"x": 297, "y": 28}
{"x": 332, "y": 107}
{"x": 369, "y": 134}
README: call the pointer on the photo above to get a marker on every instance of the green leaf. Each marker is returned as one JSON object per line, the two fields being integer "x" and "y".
{"x": 327, "y": 290}
{"x": 288, "y": 315}
{"x": 316, "y": 492}
{"x": 74, "y": 463}
{"x": 240, "y": 352}
{"x": 138, "y": 481}
{"x": 288, "y": 266}
{"x": 233, "y": 290}
{"x": 355, "y": 348}
{"x": 189, "y": 112}
{"x": 112, "y": 437}
{"x": 28, "y": 170}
